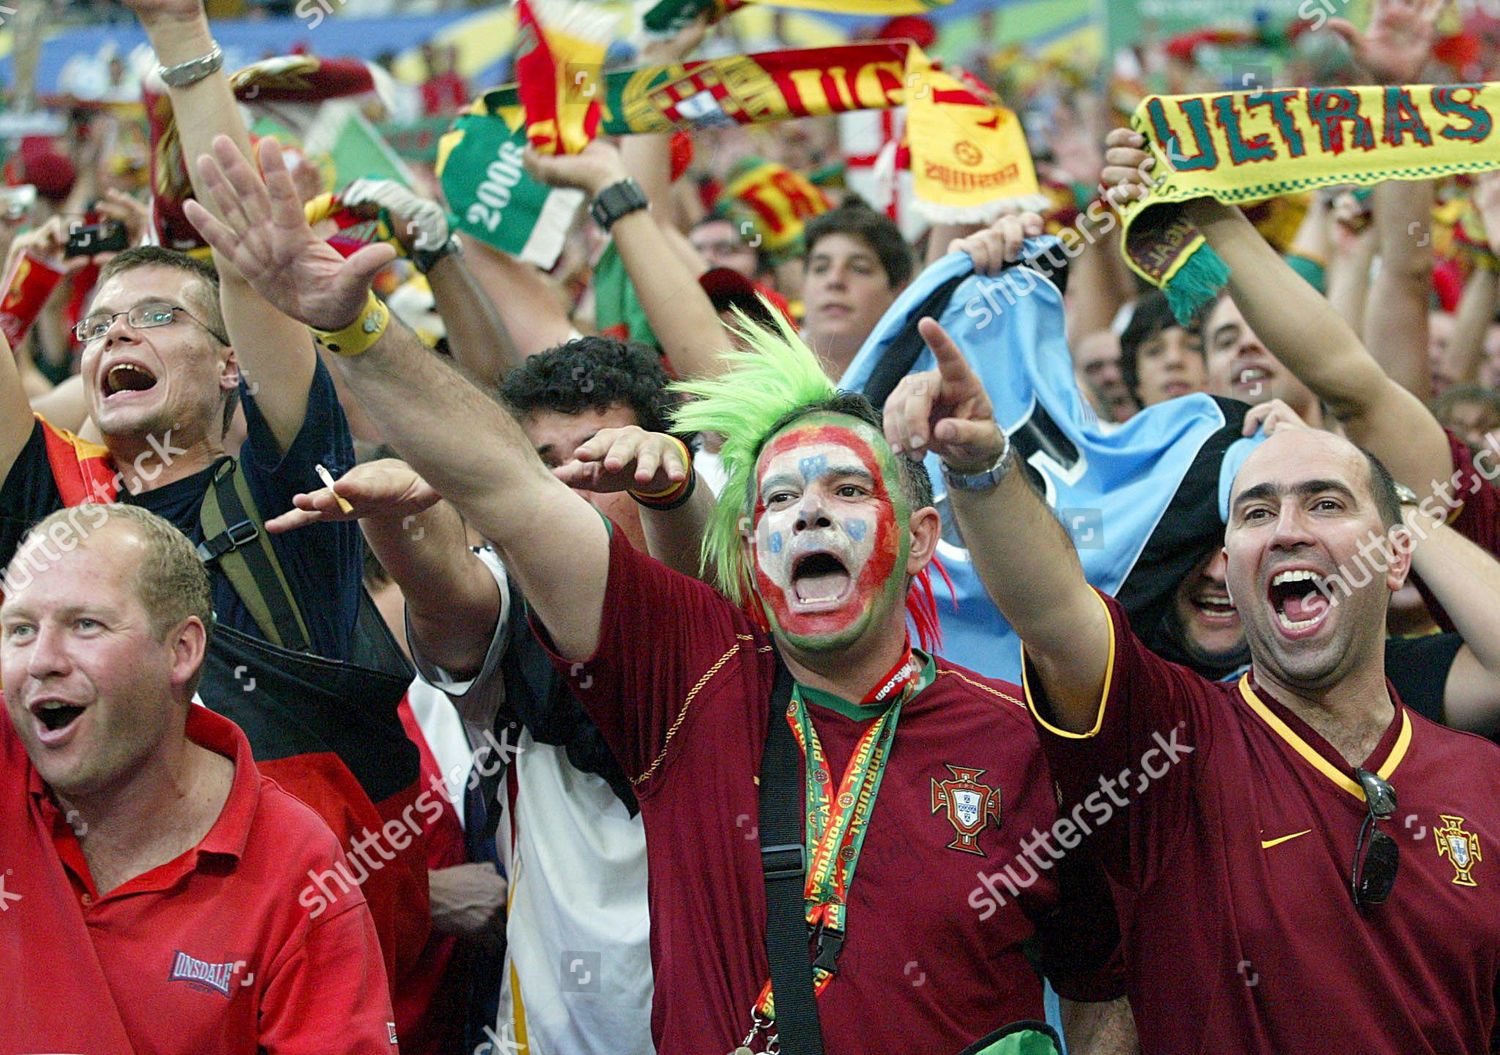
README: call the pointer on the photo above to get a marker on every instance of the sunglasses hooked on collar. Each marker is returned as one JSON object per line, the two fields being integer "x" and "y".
{"x": 1376, "y": 861}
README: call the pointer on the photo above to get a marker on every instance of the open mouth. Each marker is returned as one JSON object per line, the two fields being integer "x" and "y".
{"x": 820, "y": 579}
{"x": 1251, "y": 376}
{"x": 127, "y": 377}
{"x": 1215, "y": 605}
{"x": 55, "y": 716}
{"x": 1298, "y": 600}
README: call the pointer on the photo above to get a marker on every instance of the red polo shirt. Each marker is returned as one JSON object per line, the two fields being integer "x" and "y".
{"x": 217, "y": 951}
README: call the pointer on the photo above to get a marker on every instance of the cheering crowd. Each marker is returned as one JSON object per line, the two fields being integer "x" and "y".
{"x": 783, "y": 624}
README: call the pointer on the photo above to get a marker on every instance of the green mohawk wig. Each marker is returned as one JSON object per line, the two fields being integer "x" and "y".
{"x": 778, "y": 375}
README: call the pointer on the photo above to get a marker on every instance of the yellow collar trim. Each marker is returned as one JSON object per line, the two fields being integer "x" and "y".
{"x": 1316, "y": 759}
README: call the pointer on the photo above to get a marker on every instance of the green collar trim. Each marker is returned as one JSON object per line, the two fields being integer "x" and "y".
{"x": 858, "y": 711}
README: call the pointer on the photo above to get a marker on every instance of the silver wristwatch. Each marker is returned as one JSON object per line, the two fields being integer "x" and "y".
{"x": 980, "y": 481}
{"x": 193, "y": 70}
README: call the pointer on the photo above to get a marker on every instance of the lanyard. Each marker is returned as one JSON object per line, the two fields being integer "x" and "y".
{"x": 836, "y": 824}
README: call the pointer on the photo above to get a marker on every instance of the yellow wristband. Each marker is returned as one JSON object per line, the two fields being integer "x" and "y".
{"x": 671, "y": 491}
{"x": 359, "y": 335}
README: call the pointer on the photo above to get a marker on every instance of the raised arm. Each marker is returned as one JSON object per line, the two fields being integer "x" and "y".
{"x": 1347, "y": 279}
{"x": 1023, "y": 555}
{"x": 680, "y": 313}
{"x": 1476, "y": 309}
{"x": 1396, "y": 313}
{"x": 650, "y": 463}
{"x": 273, "y": 351}
{"x": 1303, "y": 331}
{"x": 452, "y": 601}
{"x": 477, "y": 335}
{"x": 1466, "y": 582}
{"x": 1393, "y": 50}
{"x": 16, "y": 421}
{"x": 460, "y": 440}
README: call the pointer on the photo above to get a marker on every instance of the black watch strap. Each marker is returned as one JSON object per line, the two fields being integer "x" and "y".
{"x": 424, "y": 260}
{"x": 617, "y": 200}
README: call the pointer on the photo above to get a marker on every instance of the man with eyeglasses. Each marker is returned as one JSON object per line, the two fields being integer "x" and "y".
{"x": 1301, "y": 863}
{"x": 163, "y": 383}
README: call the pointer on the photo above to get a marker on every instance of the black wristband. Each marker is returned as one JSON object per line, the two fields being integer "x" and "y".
{"x": 670, "y": 504}
{"x": 617, "y": 200}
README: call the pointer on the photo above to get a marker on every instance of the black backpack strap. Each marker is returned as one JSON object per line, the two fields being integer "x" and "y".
{"x": 783, "y": 857}
{"x": 235, "y": 540}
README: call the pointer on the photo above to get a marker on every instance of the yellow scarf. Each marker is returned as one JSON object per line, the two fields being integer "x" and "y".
{"x": 1245, "y": 146}
{"x": 969, "y": 159}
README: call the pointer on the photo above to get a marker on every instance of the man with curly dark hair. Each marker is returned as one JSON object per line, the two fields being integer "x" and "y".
{"x": 565, "y": 395}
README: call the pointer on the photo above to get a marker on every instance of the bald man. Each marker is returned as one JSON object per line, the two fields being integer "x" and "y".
{"x": 1251, "y": 831}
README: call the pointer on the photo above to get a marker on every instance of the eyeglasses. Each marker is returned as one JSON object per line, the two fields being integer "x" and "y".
{"x": 1375, "y": 863}
{"x": 145, "y": 316}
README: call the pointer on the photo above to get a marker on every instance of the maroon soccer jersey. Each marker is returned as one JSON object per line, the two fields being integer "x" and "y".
{"x": 680, "y": 686}
{"x": 1231, "y": 858}
{"x": 212, "y": 953}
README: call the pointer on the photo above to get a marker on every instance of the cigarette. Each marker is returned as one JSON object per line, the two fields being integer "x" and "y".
{"x": 327, "y": 478}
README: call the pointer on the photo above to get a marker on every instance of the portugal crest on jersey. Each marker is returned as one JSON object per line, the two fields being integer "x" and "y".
{"x": 1460, "y": 847}
{"x": 970, "y": 805}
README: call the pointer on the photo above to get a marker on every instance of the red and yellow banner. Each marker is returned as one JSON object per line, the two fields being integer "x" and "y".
{"x": 969, "y": 159}
{"x": 559, "y": 56}
{"x": 775, "y": 201}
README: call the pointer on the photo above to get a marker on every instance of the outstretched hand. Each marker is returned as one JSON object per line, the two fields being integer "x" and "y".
{"x": 1000, "y": 243}
{"x": 1396, "y": 46}
{"x": 1272, "y": 416}
{"x": 626, "y": 459}
{"x": 383, "y": 489}
{"x": 590, "y": 170}
{"x": 263, "y": 233}
{"x": 1127, "y": 167}
{"x": 945, "y": 410}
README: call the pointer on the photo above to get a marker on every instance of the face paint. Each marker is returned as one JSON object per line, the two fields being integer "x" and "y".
{"x": 831, "y": 537}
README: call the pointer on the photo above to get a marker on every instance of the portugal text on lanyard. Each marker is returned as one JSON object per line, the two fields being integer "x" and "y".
{"x": 836, "y": 824}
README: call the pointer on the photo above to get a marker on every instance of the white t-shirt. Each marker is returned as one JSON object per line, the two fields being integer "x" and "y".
{"x": 578, "y": 977}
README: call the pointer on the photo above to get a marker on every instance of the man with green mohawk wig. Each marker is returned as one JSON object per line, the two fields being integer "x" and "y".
{"x": 922, "y": 785}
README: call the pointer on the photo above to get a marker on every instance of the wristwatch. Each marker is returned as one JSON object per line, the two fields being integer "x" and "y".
{"x": 193, "y": 70}
{"x": 617, "y": 200}
{"x": 424, "y": 260}
{"x": 983, "y": 480}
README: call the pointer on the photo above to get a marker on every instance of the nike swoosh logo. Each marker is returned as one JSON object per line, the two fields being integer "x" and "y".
{"x": 1266, "y": 844}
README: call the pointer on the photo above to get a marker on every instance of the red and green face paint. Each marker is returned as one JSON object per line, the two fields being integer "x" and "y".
{"x": 831, "y": 531}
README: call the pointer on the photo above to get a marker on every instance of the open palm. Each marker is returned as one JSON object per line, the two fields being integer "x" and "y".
{"x": 1398, "y": 42}
{"x": 263, "y": 234}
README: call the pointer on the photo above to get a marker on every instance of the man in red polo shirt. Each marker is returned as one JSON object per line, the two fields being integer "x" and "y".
{"x": 150, "y": 874}
{"x": 1302, "y": 864}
